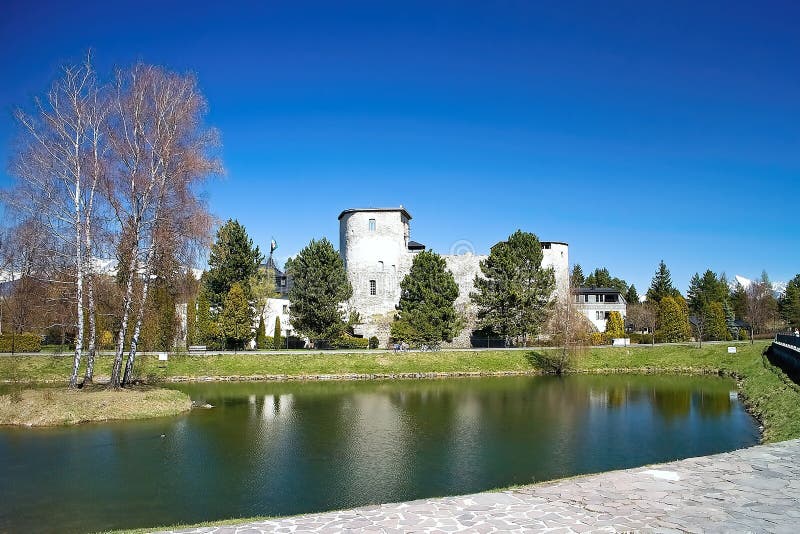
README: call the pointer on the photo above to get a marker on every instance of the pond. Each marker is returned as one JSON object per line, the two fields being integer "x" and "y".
{"x": 290, "y": 448}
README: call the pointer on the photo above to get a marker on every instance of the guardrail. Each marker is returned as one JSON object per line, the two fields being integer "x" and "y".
{"x": 788, "y": 340}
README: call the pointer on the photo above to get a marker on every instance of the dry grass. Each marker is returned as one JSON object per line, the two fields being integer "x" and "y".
{"x": 51, "y": 406}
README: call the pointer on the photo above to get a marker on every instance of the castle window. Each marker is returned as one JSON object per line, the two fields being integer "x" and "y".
{"x": 372, "y": 225}
{"x": 373, "y": 288}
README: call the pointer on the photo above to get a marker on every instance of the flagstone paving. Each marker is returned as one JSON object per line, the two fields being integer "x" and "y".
{"x": 749, "y": 490}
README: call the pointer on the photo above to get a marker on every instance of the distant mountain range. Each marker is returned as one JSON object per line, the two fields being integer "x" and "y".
{"x": 777, "y": 287}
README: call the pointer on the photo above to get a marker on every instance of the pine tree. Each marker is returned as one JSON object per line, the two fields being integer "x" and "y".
{"x": 576, "y": 278}
{"x": 233, "y": 259}
{"x": 632, "y": 296}
{"x": 661, "y": 285}
{"x": 236, "y": 318}
{"x": 730, "y": 321}
{"x": 277, "y": 339}
{"x": 261, "y": 333}
{"x": 739, "y": 301}
{"x": 426, "y": 312}
{"x": 706, "y": 289}
{"x": 320, "y": 286}
{"x": 790, "y": 303}
{"x": 514, "y": 293}
{"x": 615, "y": 327}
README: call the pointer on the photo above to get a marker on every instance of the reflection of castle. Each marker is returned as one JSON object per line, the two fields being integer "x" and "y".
{"x": 376, "y": 246}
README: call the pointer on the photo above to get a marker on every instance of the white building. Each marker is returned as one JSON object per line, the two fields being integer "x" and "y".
{"x": 596, "y": 303}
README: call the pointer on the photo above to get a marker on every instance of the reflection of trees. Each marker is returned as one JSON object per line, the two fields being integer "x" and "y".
{"x": 712, "y": 404}
{"x": 672, "y": 403}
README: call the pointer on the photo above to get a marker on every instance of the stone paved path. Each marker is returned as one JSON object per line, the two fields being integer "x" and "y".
{"x": 750, "y": 490}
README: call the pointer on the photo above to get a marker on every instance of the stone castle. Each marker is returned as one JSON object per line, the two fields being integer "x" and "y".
{"x": 376, "y": 246}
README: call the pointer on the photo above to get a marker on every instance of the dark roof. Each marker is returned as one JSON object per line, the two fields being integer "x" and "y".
{"x": 401, "y": 209}
{"x": 596, "y": 290}
{"x": 413, "y": 245}
{"x": 271, "y": 265}
{"x": 554, "y": 243}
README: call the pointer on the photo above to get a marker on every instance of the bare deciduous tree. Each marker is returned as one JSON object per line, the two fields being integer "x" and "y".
{"x": 161, "y": 153}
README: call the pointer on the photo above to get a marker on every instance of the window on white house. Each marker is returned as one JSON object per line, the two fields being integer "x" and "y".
{"x": 373, "y": 287}
{"x": 600, "y": 316}
{"x": 372, "y": 225}
{"x": 285, "y": 308}
{"x": 380, "y": 266}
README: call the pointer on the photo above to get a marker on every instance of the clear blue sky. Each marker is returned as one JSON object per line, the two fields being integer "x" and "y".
{"x": 634, "y": 131}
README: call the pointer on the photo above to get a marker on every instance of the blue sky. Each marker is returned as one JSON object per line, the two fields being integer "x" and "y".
{"x": 635, "y": 131}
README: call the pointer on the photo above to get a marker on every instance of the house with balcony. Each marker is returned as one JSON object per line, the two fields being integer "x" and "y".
{"x": 596, "y": 303}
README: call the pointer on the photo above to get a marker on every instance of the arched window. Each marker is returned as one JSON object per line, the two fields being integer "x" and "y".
{"x": 380, "y": 266}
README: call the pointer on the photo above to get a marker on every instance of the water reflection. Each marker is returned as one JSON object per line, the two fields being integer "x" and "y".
{"x": 287, "y": 448}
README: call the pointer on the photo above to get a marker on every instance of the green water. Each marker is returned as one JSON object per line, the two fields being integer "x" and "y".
{"x": 289, "y": 448}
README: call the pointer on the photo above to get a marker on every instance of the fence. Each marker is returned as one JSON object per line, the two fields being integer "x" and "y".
{"x": 788, "y": 339}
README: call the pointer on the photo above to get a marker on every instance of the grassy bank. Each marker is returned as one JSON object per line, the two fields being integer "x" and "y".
{"x": 773, "y": 398}
{"x": 59, "y": 406}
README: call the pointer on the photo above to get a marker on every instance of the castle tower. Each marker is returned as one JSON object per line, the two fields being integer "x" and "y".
{"x": 377, "y": 252}
{"x": 556, "y": 255}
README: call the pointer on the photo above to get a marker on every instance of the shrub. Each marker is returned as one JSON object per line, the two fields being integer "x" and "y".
{"x": 641, "y": 339}
{"x": 598, "y": 338}
{"x": 350, "y": 342}
{"x": 20, "y": 342}
{"x": 373, "y": 342}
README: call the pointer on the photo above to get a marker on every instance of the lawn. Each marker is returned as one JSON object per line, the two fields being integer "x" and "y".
{"x": 60, "y": 406}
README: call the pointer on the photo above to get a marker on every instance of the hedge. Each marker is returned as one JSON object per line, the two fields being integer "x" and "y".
{"x": 20, "y": 343}
{"x": 350, "y": 342}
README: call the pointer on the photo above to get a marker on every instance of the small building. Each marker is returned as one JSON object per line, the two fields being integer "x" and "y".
{"x": 597, "y": 303}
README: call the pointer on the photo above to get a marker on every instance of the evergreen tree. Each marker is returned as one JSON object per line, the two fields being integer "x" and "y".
{"x": 715, "y": 327}
{"x": 514, "y": 295}
{"x": 600, "y": 277}
{"x": 205, "y": 327}
{"x": 706, "y": 289}
{"x": 739, "y": 301}
{"x": 277, "y": 339}
{"x": 730, "y": 321}
{"x": 191, "y": 322}
{"x": 426, "y": 312}
{"x": 167, "y": 324}
{"x": 615, "y": 327}
{"x": 790, "y": 303}
{"x": 233, "y": 259}
{"x": 261, "y": 333}
{"x": 236, "y": 318}
{"x": 576, "y": 278}
{"x": 632, "y": 296}
{"x": 320, "y": 286}
{"x": 673, "y": 320}
{"x": 661, "y": 285}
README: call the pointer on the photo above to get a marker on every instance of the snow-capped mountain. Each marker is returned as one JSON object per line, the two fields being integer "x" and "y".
{"x": 777, "y": 287}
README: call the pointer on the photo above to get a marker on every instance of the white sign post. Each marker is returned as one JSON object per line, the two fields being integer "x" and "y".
{"x": 731, "y": 350}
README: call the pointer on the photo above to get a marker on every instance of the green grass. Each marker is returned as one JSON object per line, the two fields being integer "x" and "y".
{"x": 59, "y": 406}
{"x": 769, "y": 394}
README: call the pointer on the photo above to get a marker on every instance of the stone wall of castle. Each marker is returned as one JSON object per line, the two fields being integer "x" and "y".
{"x": 376, "y": 256}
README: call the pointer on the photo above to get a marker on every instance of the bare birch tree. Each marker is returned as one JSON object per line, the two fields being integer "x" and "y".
{"x": 161, "y": 153}
{"x": 52, "y": 176}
